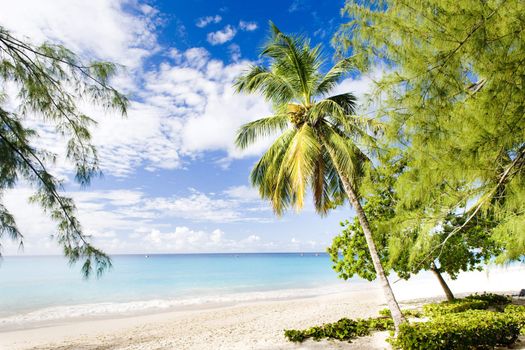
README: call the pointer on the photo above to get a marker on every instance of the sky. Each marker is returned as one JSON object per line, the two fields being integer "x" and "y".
{"x": 173, "y": 180}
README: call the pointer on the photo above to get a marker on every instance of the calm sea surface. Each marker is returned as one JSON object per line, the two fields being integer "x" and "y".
{"x": 40, "y": 289}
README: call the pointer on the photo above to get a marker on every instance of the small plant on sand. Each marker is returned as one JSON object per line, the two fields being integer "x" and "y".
{"x": 345, "y": 329}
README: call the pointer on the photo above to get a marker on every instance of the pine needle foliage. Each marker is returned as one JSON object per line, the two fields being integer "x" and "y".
{"x": 50, "y": 81}
{"x": 454, "y": 97}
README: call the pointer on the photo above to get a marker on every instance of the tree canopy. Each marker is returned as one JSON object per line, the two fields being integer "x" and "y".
{"x": 402, "y": 250}
{"x": 453, "y": 96}
{"x": 48, "y": 82}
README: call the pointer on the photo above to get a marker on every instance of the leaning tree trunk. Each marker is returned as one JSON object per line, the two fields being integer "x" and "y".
{"x": 397, "y": 316}
{"x": 444, "y": 285}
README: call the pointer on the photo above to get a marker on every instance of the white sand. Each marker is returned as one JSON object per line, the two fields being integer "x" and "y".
{"x": 256, "y": 325}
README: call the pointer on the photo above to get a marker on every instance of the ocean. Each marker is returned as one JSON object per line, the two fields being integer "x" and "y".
{"x": 37, "y": 290}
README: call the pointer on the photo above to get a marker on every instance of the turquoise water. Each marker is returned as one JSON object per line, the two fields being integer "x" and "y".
{"x": 45, "y": 288}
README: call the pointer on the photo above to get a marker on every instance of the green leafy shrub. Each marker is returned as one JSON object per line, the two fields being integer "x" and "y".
{"x": 450, "y": 307}
{"x": 344, "y": 329}
{"x": 407, "y": 313}
{"x": 515, "y": 309}
{"x": 476, "y": 329}
{"x": 492, "y": 299}
{"x": 517, "y": 312}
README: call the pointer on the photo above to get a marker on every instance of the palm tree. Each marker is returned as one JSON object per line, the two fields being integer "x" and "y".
{"x": 316, "y": 147}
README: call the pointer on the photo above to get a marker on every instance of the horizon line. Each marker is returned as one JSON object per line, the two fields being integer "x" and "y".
{"x": 150, "y": 254}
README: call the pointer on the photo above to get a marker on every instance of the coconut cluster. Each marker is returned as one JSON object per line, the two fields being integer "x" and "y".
{"x": 297, "y": 114}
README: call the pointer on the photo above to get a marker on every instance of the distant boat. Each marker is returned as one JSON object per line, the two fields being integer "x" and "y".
{"x": 146, "y": 256}
{"x": 316, "y": 254}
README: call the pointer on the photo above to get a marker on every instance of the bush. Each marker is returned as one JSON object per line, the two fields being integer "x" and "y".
{"x": 344, "y": 329}
{"x": 515, "y": 309}
{"x": 407, "y": 313}
{"x": 450, "y": 307}
{"x": 471, "y": 302}
{"x": 476, "y": 329}
{"x": 492, "y": 299}
{"x": 517, "y": 312}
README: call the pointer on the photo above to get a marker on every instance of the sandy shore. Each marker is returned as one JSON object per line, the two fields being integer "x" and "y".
{"x": 254, "y": 325}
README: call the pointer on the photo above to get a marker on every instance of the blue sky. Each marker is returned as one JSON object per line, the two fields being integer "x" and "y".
{"x": 173, "y": 180}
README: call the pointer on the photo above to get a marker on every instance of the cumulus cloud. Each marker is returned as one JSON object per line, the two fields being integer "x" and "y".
{"x": 248, "y": 26}
{"x": 222, "y": 36}
{"x": 184, "y": 239}
{"x": 109, "y": 216}
{"x": 184, "y": 107}
{"x": 180, "y": 110}
{"x": 126, "y": 37}
{"x": 200, "y": 92}
{"x": 204, "y": 21}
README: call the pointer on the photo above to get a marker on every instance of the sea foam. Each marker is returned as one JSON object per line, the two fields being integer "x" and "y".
{"x": 58, "y": 314}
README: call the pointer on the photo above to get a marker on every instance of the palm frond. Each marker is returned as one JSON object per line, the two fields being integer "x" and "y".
{"x": 300, "y": 160}
{"x": 266, "y": 170}
{"x": 333, "y": 76}
{"x": 293, "y": 57}
{"x": 339, "y": 110}
{"x": 273, "y": 87}
{"x": 317, "y": 144}
{"x": 350, "y": 160}
{"x": 326, "y": 108}
{"x": 347, "y": 101}
{"x": 250, "y": 132}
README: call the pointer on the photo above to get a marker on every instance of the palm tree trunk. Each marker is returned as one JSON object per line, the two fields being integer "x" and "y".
{"x": 444, "y": 285}
{"x": 397, "y": 316}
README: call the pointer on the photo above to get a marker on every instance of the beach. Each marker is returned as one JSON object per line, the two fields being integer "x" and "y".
{"x": 255, "y": 325}
{"x": 248, "y": 320}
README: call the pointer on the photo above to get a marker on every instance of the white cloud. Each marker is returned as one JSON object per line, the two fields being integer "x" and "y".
{"x": 242, "y": 193}
{"x": 204, "y": 21}
{"x": 248, "y": 26}
{"x": 124, "y": 33}
{"x": 96, "y": 29}
{"x": 183, "y": 108}
{"x": 185, "y": 239}
{"x": 108, "y": 216}
{"x": 199, "y": 92}
{"x": 202, "y": 207}
{"x": 197, "y": 206}
{"x": 222, "y": 36}
{"x": 235, "y": 52}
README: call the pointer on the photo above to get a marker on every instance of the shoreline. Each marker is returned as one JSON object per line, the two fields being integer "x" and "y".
{"x": 420, "y": 286}
{"x": 250, "y": 324}
{"x": 57, "y": 315}
{"x": 228, "y": 327}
